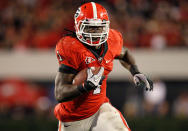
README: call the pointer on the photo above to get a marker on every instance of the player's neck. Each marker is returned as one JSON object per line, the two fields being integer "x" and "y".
{"x": 96, "y": 48}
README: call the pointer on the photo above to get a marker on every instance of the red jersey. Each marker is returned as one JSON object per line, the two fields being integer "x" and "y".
{"x": 71, "y": 52}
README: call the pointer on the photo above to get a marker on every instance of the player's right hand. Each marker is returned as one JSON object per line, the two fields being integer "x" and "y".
{"x": 93, "y": 81}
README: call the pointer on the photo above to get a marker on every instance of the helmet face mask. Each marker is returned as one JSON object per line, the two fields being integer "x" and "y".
{"x": 91, "y": 30}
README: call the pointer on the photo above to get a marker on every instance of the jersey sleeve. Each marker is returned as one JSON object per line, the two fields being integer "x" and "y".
{"x": 119, "y": 45}
{"x": 67, "y": 56}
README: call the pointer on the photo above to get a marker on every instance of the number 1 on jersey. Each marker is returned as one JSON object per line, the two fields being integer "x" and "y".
{"x": 97, "y": 90}
{"x": 60, "y": 57}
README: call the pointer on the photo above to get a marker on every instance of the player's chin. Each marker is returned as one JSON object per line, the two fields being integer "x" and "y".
{"x": 96, "y": 39}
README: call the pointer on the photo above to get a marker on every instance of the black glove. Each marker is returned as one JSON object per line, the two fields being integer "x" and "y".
{"x": 142, "y": 81}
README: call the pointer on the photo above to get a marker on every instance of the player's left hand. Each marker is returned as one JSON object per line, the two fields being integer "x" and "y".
{"x": 142, "y": 81}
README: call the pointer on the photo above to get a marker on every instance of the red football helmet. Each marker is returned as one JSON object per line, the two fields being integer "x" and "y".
{"x": 92, "y": 24}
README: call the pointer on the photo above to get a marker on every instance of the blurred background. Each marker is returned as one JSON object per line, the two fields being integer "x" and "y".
{"x": 156, "y": 31}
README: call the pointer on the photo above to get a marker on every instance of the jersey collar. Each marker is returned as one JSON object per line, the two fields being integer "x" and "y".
{"x": 102, "y": 54}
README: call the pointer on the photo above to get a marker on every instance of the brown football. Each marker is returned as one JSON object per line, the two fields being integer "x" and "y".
{"x": 82, "y": 75}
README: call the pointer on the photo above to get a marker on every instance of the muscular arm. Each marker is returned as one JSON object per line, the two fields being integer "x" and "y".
{"x": 64, "y": 90}
{"x": 128, "y": 61}
{"x": 141, "y": 81}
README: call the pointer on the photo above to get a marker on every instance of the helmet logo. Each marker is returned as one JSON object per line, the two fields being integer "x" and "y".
{"x": 77, "y": 13}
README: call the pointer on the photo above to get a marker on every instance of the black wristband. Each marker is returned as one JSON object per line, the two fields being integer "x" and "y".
{"x": 134, "y": 70}
{"x": 81, "y": 89}
{"x": 86, "y": 87}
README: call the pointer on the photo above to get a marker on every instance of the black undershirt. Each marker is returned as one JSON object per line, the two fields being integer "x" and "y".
{"x": 96, "y": 50}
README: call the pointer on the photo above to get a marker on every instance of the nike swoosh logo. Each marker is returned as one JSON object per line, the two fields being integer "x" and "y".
{"x": 96, "y": 79}
{"x": 67, "y": 125}
{"x": 107, "y": 61}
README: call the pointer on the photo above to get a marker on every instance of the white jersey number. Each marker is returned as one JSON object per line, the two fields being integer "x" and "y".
{"x": 97, "y": 90}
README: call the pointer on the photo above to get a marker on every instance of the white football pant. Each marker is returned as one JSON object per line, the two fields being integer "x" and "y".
{"x": 107, "y": 118}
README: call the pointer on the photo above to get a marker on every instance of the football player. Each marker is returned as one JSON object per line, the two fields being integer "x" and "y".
{"x": 86, "y": 107}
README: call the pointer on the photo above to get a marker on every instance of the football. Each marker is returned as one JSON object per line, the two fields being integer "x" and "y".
{"x": 82, "y": 75}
